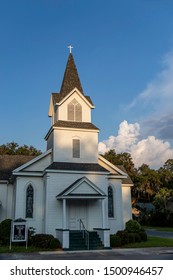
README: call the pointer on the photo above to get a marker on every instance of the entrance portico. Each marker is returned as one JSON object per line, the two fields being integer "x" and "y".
{"x": 77, "y": 201}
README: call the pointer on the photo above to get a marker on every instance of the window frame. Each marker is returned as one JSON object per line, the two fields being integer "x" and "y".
{"x": 110, "y": 202}
{"x": 76, "y": 148}
{"x": 29, "y": 209}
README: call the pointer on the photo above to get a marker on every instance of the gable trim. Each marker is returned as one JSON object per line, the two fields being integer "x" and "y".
{"x": 80, "y": 94}
{"x": 31, "y": 162}
{"x": 68, "y": 192}
{"x": 118, "y": 170}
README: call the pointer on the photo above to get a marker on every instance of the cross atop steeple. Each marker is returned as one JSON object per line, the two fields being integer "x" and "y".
{"x": 70, "y": 47}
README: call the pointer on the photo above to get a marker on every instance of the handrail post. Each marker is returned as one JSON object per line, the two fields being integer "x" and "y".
{"x": 85, "y": 233}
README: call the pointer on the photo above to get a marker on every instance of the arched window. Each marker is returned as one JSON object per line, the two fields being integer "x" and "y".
{"x": 110, "y": 202}
{"x": 29, "y": 201}
{"x": 74, "y": 111}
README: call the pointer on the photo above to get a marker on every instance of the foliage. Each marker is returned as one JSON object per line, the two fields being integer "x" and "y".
{"x": 14, "y": 149}
{"x": 31, "y": 233}
{"x": 123, "y": 236}
{"x": 124, "y": 159}
{"x": 115, "y": 240}
{"x": 45, "y": 241}
{"x": 5, "y": 230}
{"x": 150, "y": 186}
{"x": 133, "y": 226}
{"x": 143, "y": 235}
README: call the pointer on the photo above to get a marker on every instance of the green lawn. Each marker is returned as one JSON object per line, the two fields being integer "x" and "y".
{"x": 22, "y": 249}
{"x": 160, "y": 228}
{"x": 152, "y": 242}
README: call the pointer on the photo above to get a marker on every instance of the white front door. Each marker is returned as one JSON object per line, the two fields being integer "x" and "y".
{"x": 77, "y": 209}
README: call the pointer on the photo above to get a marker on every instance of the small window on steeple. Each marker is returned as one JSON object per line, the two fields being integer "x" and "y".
{"x": 74, "y": 111}
{"x": 76, "y": 148}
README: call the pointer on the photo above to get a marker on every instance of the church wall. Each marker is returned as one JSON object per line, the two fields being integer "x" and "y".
{"x": 127, "y": 206}
{"x": 63, "y": 146}
{"x": 56, "y": 184}
{"x": 7, "y": 203}
{"x": 86, "y": 110}
{"x": 116, "y": 223}
{"x": 50, "y": 141}
{"x": 3, "y": 199}
{"x": 38, "y": 206}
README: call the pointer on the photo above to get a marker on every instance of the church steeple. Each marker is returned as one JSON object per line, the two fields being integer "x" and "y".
{"x": 71, "y": 78}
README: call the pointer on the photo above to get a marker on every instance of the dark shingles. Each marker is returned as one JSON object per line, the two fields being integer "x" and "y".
{"x": 69, "y": 124}
{"x": 125, "y": 180}
{"x": 71, "y": 78}
{"x": 10, "y": 162}
{"x": 76, "y": 166}
{"x": 70, "y": 81}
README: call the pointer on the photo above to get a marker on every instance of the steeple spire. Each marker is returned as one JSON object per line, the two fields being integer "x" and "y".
{"x": 71, "y": 78}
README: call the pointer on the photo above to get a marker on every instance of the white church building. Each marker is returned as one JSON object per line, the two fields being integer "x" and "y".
{"x": 70, "y": 187}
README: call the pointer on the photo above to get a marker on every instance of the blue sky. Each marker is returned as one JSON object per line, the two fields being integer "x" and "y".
{"x": 123, "y": 50}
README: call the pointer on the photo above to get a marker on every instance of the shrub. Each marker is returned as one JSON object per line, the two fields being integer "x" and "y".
{"x": 143, "y": 235}
{"x": 137, "y": 237}
{"x": 5, "y": 231}
{"x": 123, "y": 236}
{"x": 45, "y": 241}
{"x": 115, "y": 241}
{"x": 54, "y": 243}
{"x": 131, "y": 237}
{"x": 31, "y": 232}
{"x": 132, "y": 226}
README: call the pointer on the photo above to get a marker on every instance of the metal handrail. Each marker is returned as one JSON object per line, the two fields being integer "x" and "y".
{"x": 85, "y": 233}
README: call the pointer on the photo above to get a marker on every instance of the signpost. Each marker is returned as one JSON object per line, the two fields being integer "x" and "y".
{"x": 19, "y": 232}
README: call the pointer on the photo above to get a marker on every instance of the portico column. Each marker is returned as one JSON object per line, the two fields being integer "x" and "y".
{"x": 64, "y": 214}
{"x": 103, "y": 213}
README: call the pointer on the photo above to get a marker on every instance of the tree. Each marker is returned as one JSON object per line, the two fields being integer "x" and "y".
{"x": 162, "y": 197}
{"x": 147, "y": 183}
{"x": 168, "y": 165}
{"x": 124, "y": 159}
{"x": 13, "y": 148}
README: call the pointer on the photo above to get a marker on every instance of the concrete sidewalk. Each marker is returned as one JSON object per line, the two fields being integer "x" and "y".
{"x": 156, "y": 253}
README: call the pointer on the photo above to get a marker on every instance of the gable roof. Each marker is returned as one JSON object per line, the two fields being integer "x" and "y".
{"x": 127, "y": 180}
{"x": 10, "y": 162}
{"x": 57, "y": 97}
{"x": 116, "y": 170}
{"x": 82, "y": 187}
{"x": 71, "y": 78}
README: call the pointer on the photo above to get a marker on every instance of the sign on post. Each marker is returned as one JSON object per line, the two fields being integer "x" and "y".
{"x": 19, "y": 231}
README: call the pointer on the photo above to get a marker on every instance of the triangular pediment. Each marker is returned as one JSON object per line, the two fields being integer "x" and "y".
{"x": 82, "y": 187}
{"x": 35, "y": 165}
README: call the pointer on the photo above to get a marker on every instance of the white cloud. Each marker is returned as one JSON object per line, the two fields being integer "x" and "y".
{"x": 151, "y": 150}
{"x": 153, "y": 106}
{"x": 159, "y": 91}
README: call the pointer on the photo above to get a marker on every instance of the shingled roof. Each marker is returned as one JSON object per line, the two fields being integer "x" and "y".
{"x": 70, "y": 82}
{"x": 73, "y": 166}
{"x": 127, "y": 180}
{"x": 71, "y": 78}
{"x": 80, "y": 125}
{"x": 10, "y": 162}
